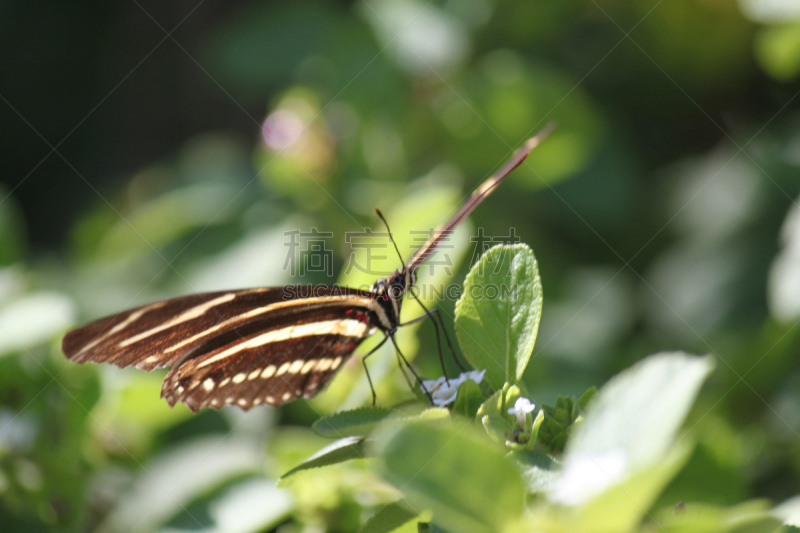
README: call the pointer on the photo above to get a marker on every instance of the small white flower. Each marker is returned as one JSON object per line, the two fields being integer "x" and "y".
{"x": 475, "y": 376}
{"x": 443, "y": 390}
{"x": 521, "y": 408}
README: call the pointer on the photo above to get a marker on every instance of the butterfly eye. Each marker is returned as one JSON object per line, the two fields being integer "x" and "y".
{"x": 397, "y": 292}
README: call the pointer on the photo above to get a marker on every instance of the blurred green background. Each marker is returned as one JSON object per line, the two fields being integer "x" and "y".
{"x": 135, "y": 167}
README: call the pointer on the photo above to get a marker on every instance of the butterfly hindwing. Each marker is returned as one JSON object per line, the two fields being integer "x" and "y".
{"x": 273, "y": 367}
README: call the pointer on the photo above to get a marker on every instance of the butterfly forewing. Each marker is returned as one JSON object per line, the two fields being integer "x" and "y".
{"x": 225, "y": 336}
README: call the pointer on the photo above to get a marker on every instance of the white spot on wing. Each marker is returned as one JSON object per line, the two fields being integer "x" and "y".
{"x": 308, "y": 366}
{"x": 254, "y": 374}
{"x": 238, "y": 378}
{"x": 208, "y": 385}
{"x": 268, "y": 372}
{"x": 286, "y": 396}
{"x": 282, "y": 370}
{"x": 296, "y": 366}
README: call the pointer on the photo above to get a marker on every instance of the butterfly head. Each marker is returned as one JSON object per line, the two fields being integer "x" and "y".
{"x": 390, "y": 291}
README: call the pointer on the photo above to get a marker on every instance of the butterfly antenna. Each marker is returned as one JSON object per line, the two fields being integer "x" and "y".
{"x": 391, "y": 237}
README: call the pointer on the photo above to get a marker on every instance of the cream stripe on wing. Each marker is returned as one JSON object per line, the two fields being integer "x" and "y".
{"x": 310, "y": 303}
{"x": 190, "y": 314}
{"x": 136, "y": 315}
{"x": 346, "y": 327}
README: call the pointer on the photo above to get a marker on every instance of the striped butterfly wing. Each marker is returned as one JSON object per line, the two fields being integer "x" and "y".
{"x": 233, "y": 331}
{"x": 294, "y": 357}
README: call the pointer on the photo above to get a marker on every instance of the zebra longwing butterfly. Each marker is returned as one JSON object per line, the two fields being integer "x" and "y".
{"x": 265, "y": 345}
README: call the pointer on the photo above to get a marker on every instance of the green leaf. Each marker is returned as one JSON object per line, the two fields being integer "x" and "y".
{"x": 621, "y": 507}
{"x": 557, "y": 421}
{"x": 428, "y": 527}
{"x": 583, "y": 401}
{"x": 469, "y": 399}
{"x": 346, "y": 423}
{"x": 789, "y": 512}
{"x": 497, "y": 428}
{"x": 629, "y": 434}
{"x": 166, "y": 218}
{"x": 431, "y": 414}
{"x": 641, "y": 409}
{"x": 12, "y": 240}
{"x": 33, "y": 319}
{"x": 338, "y": 452}
{"x": 537, "y": 424}
{"x": 222, "y": 508}
{"x": 493, "y": 413}
{"x": 777, "y": 49}
{"x": 388, "y": 518}
{"x": 453, "y": 469}
{"x": 749, "y": 517}
{"x": 539, "y": 470}
{"x": 497, "y": 317}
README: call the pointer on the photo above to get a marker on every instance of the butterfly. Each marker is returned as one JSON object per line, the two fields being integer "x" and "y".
{"x": 264, "y": 345}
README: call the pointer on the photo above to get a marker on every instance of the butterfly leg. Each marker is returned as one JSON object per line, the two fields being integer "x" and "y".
{"x": 364, "y": 362}
{"x": 447, "y": 338}
{"x": 403, "y": 371}
{"x": 438, "y": 340}
{"x": 430, "y": 314}
{"x": 391, "y": 336}
{"x": 413, "y": 321}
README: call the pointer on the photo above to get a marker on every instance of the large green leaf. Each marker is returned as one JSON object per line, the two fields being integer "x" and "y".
{"x": 789, "y": 512}
{"x": 625, "y": 450}
{"x": 622, "y": 505}
{"x": 748, "y": 517}
{"x": 453, "y": 469}
{"x": 497, "y": 317}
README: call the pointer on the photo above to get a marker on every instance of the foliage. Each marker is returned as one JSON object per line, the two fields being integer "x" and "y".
{"x": 139, "y": 166}
{"x": 617, "y": 461}
{"x": 559, "y": 419}
{"x": 498, "y": 323}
